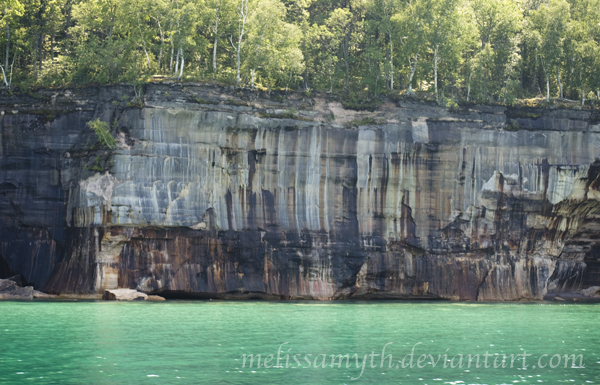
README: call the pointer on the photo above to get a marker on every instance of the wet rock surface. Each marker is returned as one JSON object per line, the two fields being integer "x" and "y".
{"x": 39, "y": 294}
{"x": 593, "y": 291}
{"x": 12, "y": 288}
{"x": 219, "y": 193}
{"x": 155, "y": 298}
{"x": 124, "y": 295}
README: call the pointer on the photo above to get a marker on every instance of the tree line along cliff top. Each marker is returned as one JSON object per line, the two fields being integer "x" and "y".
{"x": 455, "y": 51}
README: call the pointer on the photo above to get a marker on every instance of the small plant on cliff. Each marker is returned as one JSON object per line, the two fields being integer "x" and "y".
{"x": 102, "y": 132}
{"x": 137, "y": 103}
{"x": 365, "y": 122}
{"x": 448, "y": 103}
{"x": 352, "y": 101}
{"x": 202, "y": 101}
{"x": 96, "y": 166}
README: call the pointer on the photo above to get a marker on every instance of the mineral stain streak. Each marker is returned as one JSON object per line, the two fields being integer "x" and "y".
{"x": 218, "y": 201}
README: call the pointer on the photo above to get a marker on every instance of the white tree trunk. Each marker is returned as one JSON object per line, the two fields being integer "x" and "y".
{"x": 4, "y": 76}
{"x": 182, "y": 63}
{"x": 215, "y": 54}
{"x": 547, "y": 87}
{"x": 391, "y": 63}
{"x": 558, "y": 81}
{"x": 172, "y": 52}
{"x": 252, "y": 80}
{"x": 469, "y": 86}
{"x": 237, "y": 70}
{"x": 243, "y": 12}
{"x": 143, "y": 43}
{"x": 435, "y": 72}
{"x": 162, "y": 40}
{"x": 412, "y": 71}
{"x": 582, "y": 95}
{"x": 216, "y": 30}
{"x": 7, "y": 44}
{"x": 11, "y": 69}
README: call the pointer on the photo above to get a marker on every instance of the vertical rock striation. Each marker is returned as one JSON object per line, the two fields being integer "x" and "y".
{"x": 215, "y": 193}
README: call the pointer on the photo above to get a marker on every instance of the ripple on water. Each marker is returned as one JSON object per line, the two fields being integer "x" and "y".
{"x": 204, "y": 340}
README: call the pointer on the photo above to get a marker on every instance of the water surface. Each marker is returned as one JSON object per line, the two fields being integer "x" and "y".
{"x": 181, "y": 342}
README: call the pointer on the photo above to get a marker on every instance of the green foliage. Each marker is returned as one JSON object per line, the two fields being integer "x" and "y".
{"x": 364, "y": 122}
{"x": 356, "y": 102}
{"x": 449, "y": 103}
{"x": 288, "y": 114}
{"x": 276, "y": 97}
{"x": 96, "y": 166}
{"x": 490, "y": 51}
{"x": 512, "y": 126}
{"x": 47, "y": 115}
{"x": 102, "y": 132}
{"x": 135, "y": 103}
{"x": 549, "y": 26}
{"x": 202, "y": 101}
{"x": 35, "y": 95}
{"x": 234, "y": 102}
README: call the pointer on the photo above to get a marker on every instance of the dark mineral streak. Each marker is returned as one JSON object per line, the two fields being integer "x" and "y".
{"x": 209, "y": 194}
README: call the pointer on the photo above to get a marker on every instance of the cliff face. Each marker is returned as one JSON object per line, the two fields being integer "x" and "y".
{"x": 216, "y": 193}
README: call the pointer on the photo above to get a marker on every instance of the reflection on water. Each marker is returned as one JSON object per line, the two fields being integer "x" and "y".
{"x": 298, "y": 342}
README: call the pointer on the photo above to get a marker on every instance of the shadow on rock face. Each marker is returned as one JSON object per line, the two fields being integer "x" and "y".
{"x": 5, "y": 270}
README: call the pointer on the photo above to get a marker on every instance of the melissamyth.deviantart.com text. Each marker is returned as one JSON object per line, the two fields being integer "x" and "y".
{"x": 416, "y": 358}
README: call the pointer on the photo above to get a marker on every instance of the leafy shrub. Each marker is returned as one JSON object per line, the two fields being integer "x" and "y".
{"x": 360, "y": 103}
{"x": 102, "y": 132}
{"x": 202, "y": 101}
{"x": 137, "y": 103}
{"x": 364, "y": 122}
{"x": 96, "y": 166}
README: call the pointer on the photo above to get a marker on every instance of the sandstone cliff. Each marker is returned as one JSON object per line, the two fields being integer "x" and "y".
{"x": 218, "y": 193}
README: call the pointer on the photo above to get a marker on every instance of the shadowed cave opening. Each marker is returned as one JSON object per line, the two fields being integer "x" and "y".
{"x": 5, "y": 270}
{"x": 591, "y": 274}
{"x": 246, "y": 295}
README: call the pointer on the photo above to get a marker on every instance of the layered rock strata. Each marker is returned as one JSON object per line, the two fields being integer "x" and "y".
{"x": 220, "y": 193}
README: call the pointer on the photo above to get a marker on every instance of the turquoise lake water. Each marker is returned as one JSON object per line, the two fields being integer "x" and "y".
{"x": 183, "y": 342}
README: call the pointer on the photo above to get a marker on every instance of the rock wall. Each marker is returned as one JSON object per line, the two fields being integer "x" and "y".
{"x": 221, "y": 193}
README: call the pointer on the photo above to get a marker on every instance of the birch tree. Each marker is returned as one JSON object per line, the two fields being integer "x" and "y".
{"x": 549, "y": 24}
{"x": 411, "y": 21}
{"x": 11, "y": 11}
{"x": 243, "y": 11}
{"x": 382, "y": 11}
{"x": 273, "y": 44}
{"x": 498, "y": 24}
{"x": 449, "y": 33}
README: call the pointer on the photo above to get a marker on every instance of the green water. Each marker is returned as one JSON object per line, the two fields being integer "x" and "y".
{"x": 180, "y": 342}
